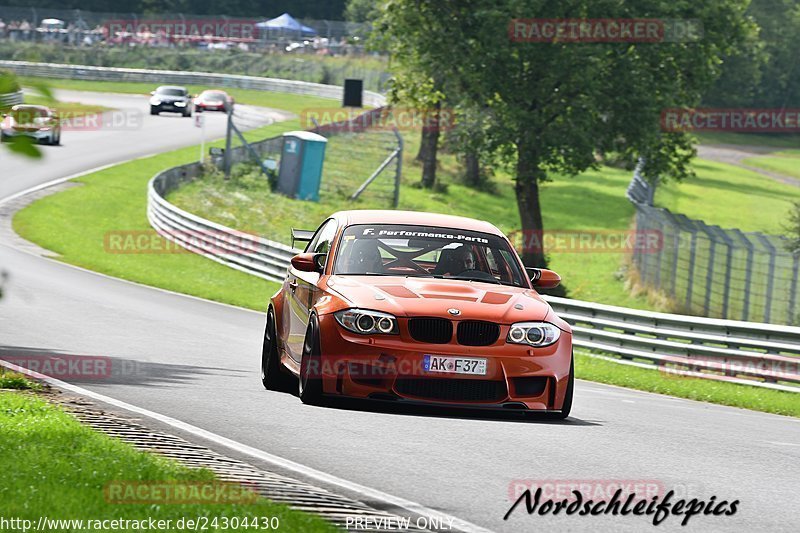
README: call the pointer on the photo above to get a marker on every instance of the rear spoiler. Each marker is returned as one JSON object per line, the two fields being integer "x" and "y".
{"x": 301, "y": 235}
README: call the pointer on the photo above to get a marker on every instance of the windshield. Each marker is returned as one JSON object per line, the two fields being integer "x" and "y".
{"x": 171, "y": 92}
{"x": 213, "y": 95}
{"x": 25, "y": 115}
{"x": 425, "y": 251}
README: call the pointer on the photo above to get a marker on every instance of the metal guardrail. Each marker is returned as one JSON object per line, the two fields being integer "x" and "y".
{"x": 163, "y": 77}
{"x": 11, "y": 99}
{"x": 236, "y": 249}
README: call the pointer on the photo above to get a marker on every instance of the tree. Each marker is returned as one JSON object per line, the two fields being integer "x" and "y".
{"x": 555, "y": 104}
{"x": 362, "y": 10}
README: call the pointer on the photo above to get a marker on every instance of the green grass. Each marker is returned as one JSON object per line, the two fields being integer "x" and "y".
{"x": 786, "y": 162}
{"x": 12, "y": 380}
{"x": 55, "y": 467}
{"x": 730, "y": 197}
{"x": 776, "y": 140}
{"x": 755, "y": 398}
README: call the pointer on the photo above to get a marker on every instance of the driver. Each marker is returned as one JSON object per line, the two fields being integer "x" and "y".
{"x": 461, "y": 260}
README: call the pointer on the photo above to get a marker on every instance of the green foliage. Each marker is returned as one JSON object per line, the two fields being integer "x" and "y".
{"x": 563, "y": 101}
{"x": 8, "y": 82}
{"x": 362, "y": 10}
{"x": 12, "y": 380}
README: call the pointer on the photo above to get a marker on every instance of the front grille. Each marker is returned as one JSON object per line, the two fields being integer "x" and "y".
{"x": 431, "y": 330}
{"x": 477, "y": 333}
{"x": 458, "y": 390}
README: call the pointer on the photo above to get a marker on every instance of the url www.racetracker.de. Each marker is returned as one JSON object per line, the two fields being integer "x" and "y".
{"x": 200, "y": 523}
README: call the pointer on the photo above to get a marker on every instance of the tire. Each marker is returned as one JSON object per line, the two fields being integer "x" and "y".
{"x": 187, "y": 113}
{"x": 154, "y": 111}
{"x": 567, "y": 407}
{"x": 273, "y": 376}
{"x": 56, "y": 139}
{"x": 310, "y": 383}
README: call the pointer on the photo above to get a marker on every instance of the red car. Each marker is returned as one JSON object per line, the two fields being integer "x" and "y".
{"x": 419, "y": 308}
{"x": 212, "y": 100}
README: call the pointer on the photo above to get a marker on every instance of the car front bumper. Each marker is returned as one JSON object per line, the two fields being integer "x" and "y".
{"x": 38, "y": 134}
{"x": 391, "y": 367}
{"x": 170, "y": 107}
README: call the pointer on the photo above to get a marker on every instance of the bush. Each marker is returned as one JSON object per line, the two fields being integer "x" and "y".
{"x": 8, "y": 82}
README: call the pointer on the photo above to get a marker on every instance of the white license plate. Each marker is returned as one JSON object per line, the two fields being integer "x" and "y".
{"x": 455, "y": 365}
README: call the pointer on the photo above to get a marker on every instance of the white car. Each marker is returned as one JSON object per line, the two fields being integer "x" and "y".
{"x": 35, "y": 121}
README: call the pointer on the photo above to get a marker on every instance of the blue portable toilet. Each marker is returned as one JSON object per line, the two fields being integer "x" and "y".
{"x": 300, "y": 173}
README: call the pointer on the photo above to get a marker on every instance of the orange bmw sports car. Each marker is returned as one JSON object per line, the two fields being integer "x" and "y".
{"x": 417, "y": 307}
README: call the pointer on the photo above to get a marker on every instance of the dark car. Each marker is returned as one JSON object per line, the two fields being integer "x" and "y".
{"x": 172, "y": 99}
{"x": 35, "y": 121}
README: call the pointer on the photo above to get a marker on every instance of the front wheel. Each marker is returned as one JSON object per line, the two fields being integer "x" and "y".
{"x": 567, "y": 407}
{"x": 272, "y": 375}
{"x": 310, "y": 382}
{"x": 153, "y": 111}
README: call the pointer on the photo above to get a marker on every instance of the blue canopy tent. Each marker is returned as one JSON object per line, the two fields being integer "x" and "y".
{"x": 286, "y": 25}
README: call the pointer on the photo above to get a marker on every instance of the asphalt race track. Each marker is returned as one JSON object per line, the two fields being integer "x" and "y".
{"x": 198, "y": 362}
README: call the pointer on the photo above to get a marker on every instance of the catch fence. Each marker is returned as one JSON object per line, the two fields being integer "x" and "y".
{"x": 715, "y": 272}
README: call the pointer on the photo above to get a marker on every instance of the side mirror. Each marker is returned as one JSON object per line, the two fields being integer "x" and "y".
{"x": 309, "y": 262}
{"x": 152, "y": 92}
{"x": 543, "y": 278}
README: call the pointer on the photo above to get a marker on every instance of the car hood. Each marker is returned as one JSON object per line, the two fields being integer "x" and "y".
{"x": 408, "y": 296}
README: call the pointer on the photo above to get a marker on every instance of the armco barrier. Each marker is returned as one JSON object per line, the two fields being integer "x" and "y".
{"x": 242, "y": 251}
{"x": 166, "y": 77}
{"x": 10, "y": 99}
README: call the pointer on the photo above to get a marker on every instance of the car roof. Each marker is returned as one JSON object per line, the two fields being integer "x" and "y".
{"x": 171, "y": 87}
{"x": 414, "y": 218}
